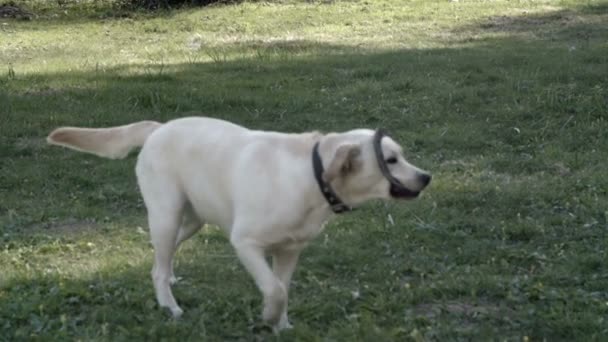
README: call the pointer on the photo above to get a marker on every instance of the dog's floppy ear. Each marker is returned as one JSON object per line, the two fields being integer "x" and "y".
{"x": 344, "y": 161}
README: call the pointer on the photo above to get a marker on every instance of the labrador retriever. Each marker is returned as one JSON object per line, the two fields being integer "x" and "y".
{"x": 270, "y": 192}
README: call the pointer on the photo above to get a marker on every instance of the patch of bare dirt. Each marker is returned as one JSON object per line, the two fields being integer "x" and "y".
{"x": 432, "y": 310}
{"x": 47, "y": 91}
{"x": 527, "y": 22}
{"x": 69, "y": 227}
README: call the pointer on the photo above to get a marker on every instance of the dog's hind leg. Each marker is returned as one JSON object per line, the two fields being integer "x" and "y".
{"x": 163, "y": 232}
{"x": 165, "y": 203}
{"x": 191, "y": 224}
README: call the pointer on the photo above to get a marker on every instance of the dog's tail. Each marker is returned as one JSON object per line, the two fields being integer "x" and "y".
{"x": 112, "y": 142}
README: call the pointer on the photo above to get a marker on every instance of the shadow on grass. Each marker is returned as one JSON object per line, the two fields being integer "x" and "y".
{"x": 304, "y": 85}
{"x": 524, "y": 105}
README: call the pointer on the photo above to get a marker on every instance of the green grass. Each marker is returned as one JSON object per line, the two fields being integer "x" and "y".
{"x": 506, "y": 102}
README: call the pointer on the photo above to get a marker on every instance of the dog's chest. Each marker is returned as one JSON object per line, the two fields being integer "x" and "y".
{"x": 307, "y": 232}
{"x": 305, "y": 229}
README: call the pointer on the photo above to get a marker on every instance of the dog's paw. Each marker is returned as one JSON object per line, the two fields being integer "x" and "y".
{"x": 275, "y": 306}
{"x": 176, "y": 312}
{"x": 271, "y": 314}
{"x": 282, "y": 325}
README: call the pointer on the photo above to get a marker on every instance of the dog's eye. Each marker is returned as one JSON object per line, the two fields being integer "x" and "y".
{"x": 391, "y": 160}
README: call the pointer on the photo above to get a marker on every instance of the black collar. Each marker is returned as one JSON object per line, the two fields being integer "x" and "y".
{"x": 336, "y": 204}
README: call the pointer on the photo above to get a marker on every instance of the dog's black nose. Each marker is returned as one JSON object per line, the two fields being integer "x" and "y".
{"x": 425, "y": 178}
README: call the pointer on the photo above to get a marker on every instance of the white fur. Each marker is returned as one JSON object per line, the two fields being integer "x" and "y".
{"x": 258, "y": 186}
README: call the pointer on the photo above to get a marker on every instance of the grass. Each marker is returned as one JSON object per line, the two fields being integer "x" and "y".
{"x": 505, "y": 102}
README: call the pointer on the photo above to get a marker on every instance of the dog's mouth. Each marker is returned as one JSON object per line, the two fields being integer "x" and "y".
{"x": 402, "y": 192}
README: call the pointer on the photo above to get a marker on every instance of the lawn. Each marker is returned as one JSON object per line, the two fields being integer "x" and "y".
{"x": 505, "y": 102}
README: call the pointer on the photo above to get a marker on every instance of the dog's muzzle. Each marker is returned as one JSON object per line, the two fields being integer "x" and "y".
{"x": 397, "y": 189}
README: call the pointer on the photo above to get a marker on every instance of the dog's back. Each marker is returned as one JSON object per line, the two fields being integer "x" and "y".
{"x": 219, "y": 166}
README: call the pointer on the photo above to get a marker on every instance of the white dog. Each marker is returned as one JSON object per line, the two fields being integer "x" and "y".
{"x": 270, "y": 192}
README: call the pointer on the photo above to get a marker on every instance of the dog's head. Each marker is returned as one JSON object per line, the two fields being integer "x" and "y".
{"x": 368, "y": 165}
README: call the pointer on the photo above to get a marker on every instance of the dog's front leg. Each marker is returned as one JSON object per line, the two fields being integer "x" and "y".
{"x": 284, "y": 264}
{"x": 275, "y": 294}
